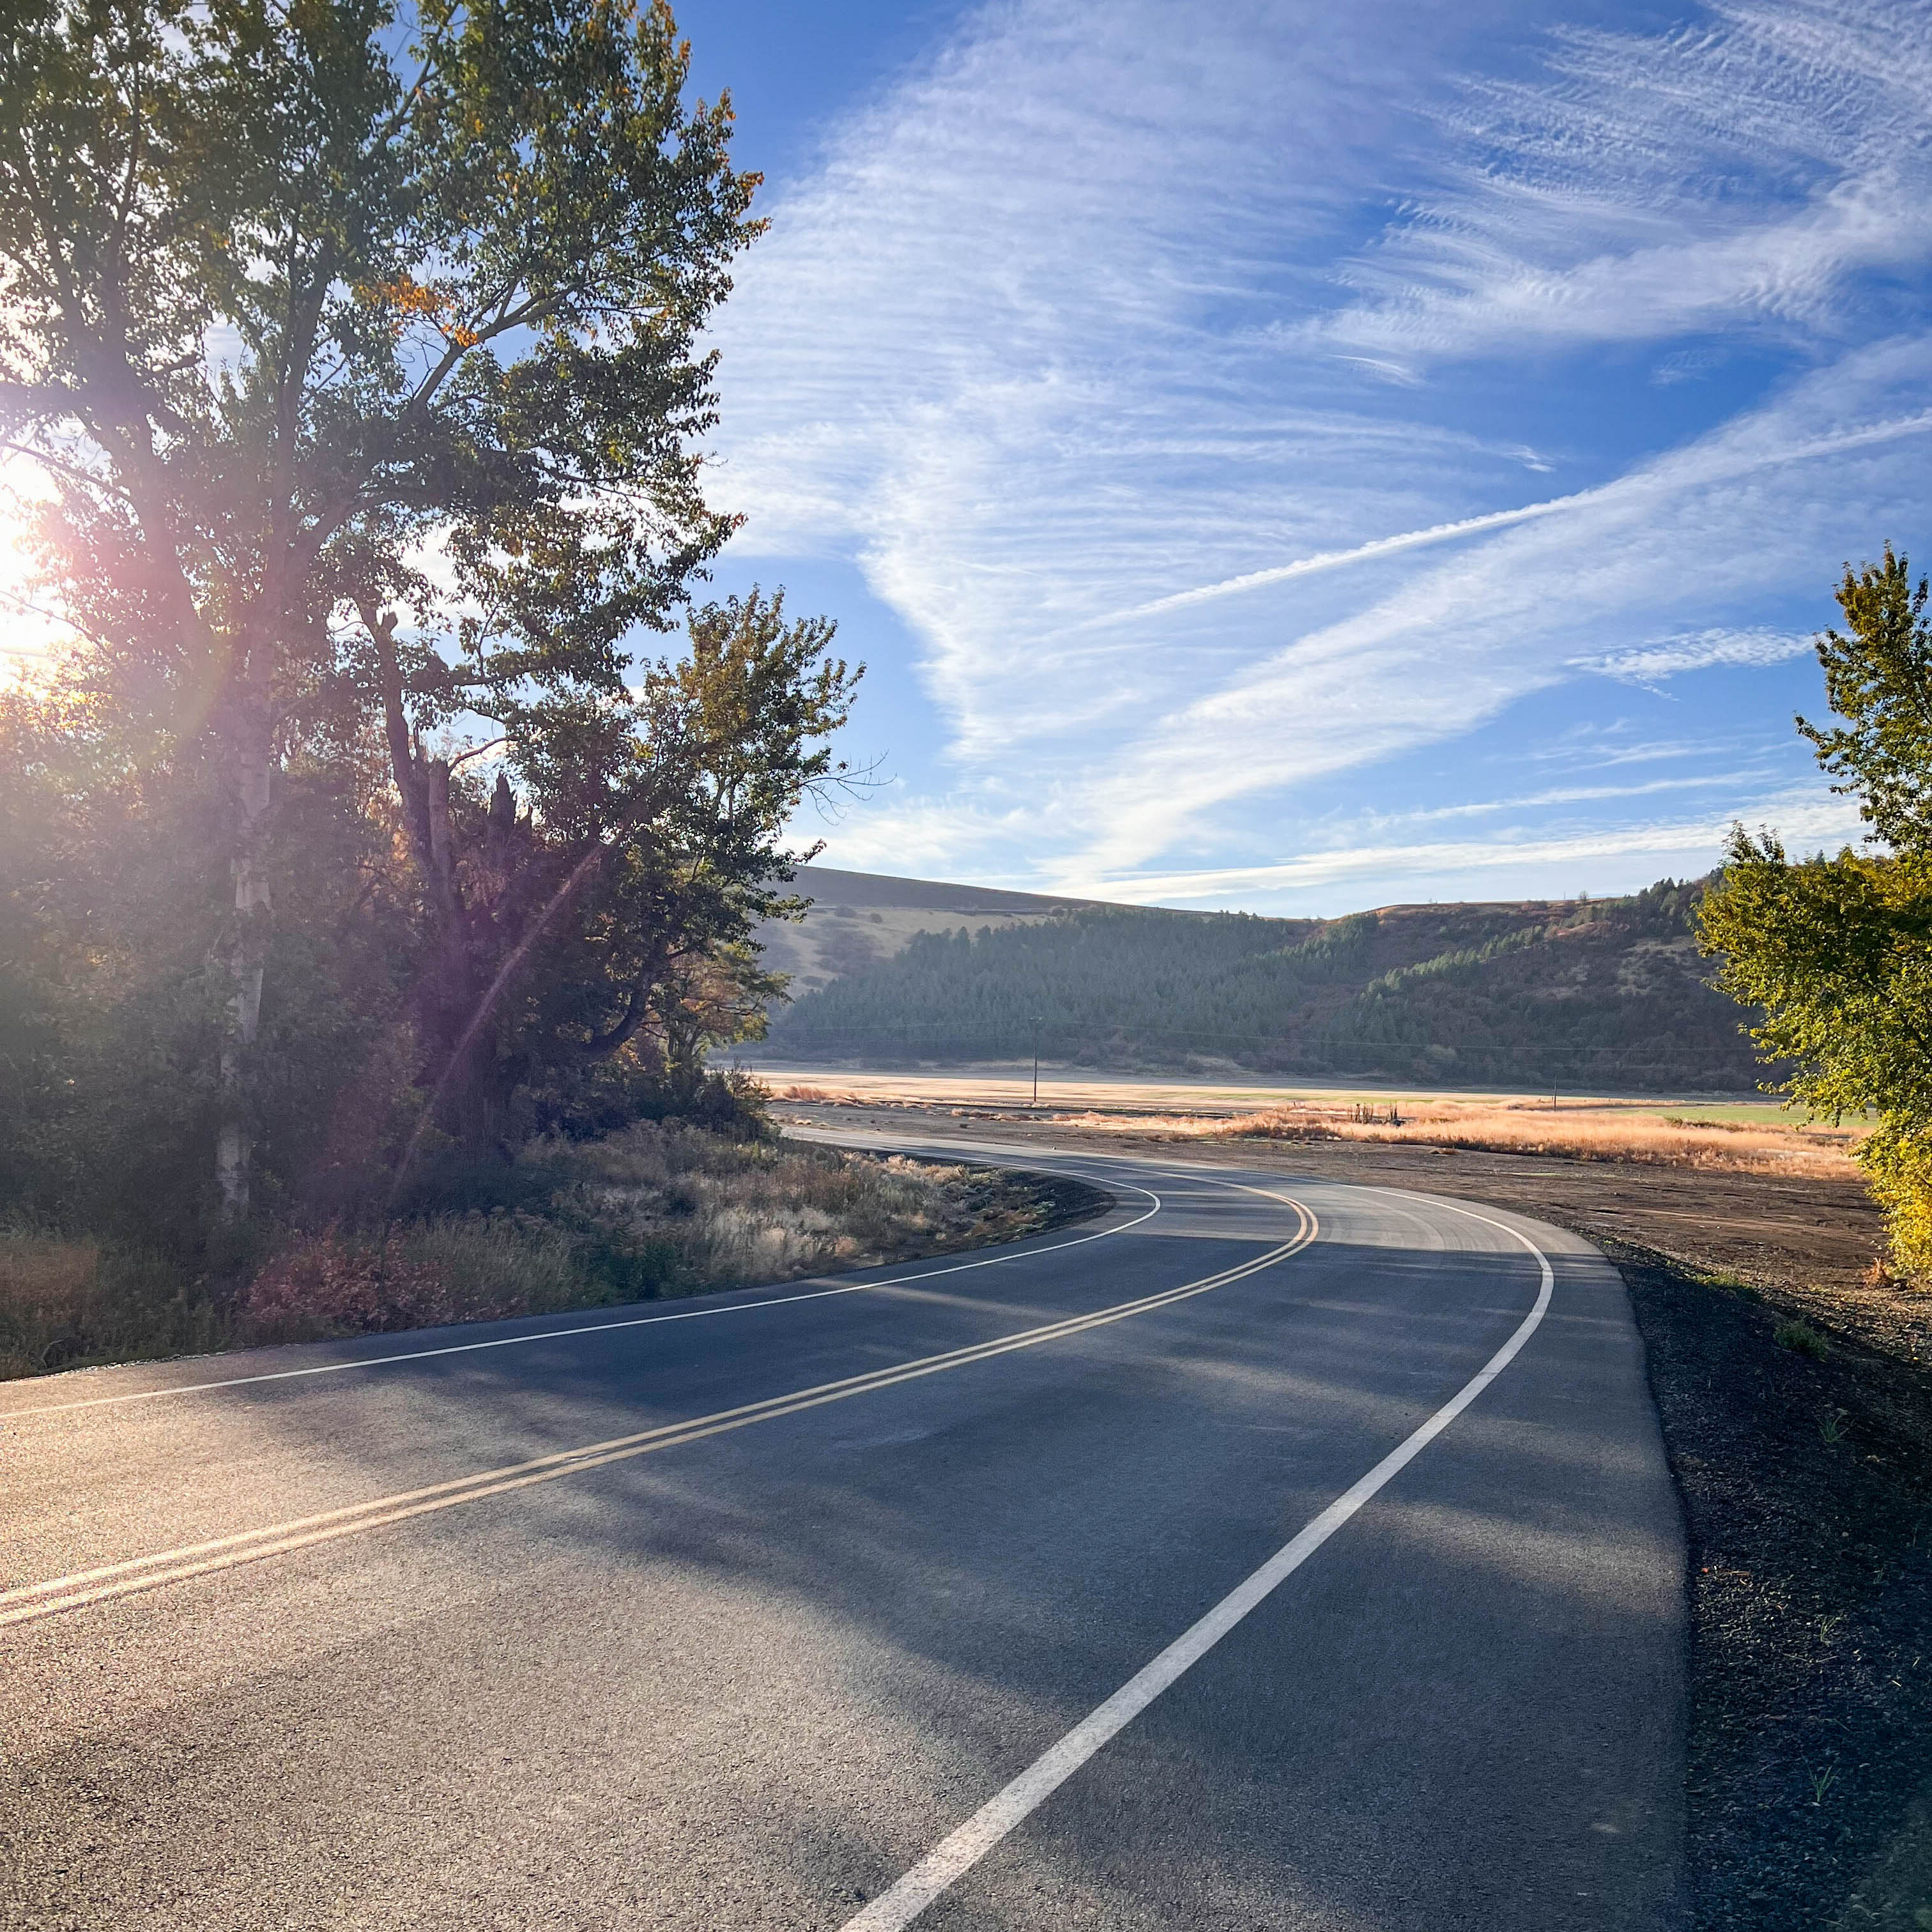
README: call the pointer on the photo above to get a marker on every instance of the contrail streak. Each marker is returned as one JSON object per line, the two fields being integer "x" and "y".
{"x": 1497, "y": 520}
{"x": 1327, "y": 560}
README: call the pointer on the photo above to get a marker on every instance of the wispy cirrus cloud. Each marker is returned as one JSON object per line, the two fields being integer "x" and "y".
{"x": 1695, "y": 650}
{"x": 1078, "y": 347}
{"x": 1455, "y": 644}
{"x": 1535, "y": 865}
{"x": 1740, "y": 172}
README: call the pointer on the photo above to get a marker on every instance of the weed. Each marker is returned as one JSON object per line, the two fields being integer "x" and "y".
{"x": 1731, "y": 1284}
{"x": 1880, "y": 1276}
{"x": 1802, "y": 1339}
{"x": 1833, "y": 1428}
{"x": 1822, "y": 1781}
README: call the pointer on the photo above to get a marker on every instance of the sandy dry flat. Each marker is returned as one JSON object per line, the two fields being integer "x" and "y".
{"x": 1010, "y": 1083}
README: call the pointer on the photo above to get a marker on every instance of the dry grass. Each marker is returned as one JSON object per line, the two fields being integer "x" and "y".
{"x": 1612, "y": 1136}
{"x": 46, "y": 1287}
{"x": 1574, "y": 1134}
{"x": 749, "y": 1211}
{"x": 654, "y": 1211}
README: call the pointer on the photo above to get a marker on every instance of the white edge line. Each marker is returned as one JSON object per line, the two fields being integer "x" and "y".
{"x": 595, "y": 1327}
{"x": 957, "y": 1853}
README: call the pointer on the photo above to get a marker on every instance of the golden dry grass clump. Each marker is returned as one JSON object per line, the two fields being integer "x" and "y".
{"x": 1578, "y": 1133}
{"x": 655, "y": 1210}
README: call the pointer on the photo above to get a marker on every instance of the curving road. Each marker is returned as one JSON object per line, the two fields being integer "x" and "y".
{"x": 1268, "y": 1554}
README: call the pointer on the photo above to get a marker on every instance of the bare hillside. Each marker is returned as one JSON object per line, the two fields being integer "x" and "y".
{"x": 858, "y": 918}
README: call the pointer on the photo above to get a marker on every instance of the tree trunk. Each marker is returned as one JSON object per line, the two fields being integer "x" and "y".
{"x": 254, "y": 761}
{"x": 447, "y": 998}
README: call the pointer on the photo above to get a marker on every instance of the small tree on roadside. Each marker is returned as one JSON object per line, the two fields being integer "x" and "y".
{"x": 305, "y": 309}
{"x": 1838, "y": 951}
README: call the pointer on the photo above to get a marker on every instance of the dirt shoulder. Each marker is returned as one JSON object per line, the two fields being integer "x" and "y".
{"x": 1806, "y": 1486}
{"x": 1806, "y": 1479}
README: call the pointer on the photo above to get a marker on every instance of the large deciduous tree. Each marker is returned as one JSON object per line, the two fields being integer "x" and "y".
{"x": 340, "y": 307}
{"x": 1838, "y": 950}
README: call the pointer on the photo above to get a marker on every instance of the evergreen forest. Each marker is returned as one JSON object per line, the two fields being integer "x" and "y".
{"x": 1609, "y": 994}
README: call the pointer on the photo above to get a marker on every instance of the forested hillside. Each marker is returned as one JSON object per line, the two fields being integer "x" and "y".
{"x": 1606, "y": 993}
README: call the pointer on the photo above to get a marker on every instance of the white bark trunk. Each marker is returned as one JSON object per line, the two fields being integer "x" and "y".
{"x": 234, "y": 1147}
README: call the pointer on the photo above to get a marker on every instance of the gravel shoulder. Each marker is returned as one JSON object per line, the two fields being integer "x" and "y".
{"x": 1805, "y": 1475}
{"x": 1807, "y": 1487}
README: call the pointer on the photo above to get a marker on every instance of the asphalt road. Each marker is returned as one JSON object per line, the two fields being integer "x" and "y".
{"x": 736, "y": 1616}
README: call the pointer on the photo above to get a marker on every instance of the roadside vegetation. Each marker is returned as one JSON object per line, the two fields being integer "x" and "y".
{"x": 1837, "y": 952}
{"x": 393, "y": 822}
{"x": 655, "y": 1210}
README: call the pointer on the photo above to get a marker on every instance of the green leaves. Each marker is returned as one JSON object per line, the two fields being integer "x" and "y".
{"x": 1838, "y": 951}
{"x": 1879, "y": 680}
{"x": 286, "y": 293}
{"x": 335, "y": 318}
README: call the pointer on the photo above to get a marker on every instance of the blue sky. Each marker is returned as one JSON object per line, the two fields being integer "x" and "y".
{"x": 1297, "y": 457}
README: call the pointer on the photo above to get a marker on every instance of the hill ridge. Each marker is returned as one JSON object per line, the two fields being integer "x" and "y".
{"x": 1599, "y": 991}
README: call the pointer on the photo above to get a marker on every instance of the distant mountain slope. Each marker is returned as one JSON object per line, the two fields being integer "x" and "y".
{"x": 857, "y": 918}
{"x": 1608, "y": 994}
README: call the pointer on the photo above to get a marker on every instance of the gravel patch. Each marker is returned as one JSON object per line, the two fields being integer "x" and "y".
{"x": 1806, "y": 1486}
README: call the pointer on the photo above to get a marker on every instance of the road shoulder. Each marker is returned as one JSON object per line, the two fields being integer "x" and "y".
{"x": 1806, "y": 1486}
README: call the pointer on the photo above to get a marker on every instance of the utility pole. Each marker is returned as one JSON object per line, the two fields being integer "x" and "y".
{"x": 1036, "y": 1060}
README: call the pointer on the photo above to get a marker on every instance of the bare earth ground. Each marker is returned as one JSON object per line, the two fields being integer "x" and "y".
{"x": 1806, "y": 1478}
{"x": 1225, "y": 1088}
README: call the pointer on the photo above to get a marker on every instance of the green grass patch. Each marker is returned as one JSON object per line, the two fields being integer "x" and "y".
{"x": 1802, "y": 1339}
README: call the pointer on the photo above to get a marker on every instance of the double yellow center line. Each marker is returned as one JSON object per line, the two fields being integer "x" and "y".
{"x": 33, "y": 1601}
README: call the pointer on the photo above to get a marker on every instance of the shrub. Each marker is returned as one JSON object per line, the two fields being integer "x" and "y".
{"x": 661, "y": 1208}
{"x": 1802, "y": 1339}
